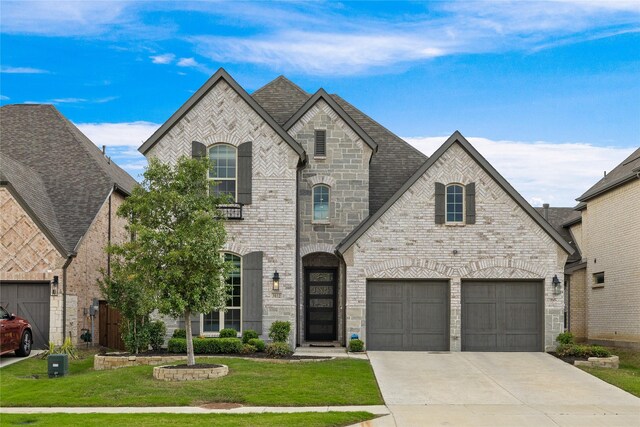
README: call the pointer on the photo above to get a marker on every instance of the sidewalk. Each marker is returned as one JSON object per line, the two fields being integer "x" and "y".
{"x": 338, "y": 352}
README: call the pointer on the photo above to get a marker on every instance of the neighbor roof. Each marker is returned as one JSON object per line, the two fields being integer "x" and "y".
{"x": 393, "y": 163}
{"x": 59, "y": 176}
{"x": 624, "y": 172}
{"x": 456, "y": 138}
{"x": 558, "y": 218}
{"x": 200, "y": 93}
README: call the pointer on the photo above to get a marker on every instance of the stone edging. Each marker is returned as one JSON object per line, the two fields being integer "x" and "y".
{"x": 599, "y": 362}
{"x": 107, "y": 362}
{"x": 166, "y": 373}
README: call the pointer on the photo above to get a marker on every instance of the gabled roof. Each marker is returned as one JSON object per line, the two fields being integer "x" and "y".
{"x": 456, "y": 138}
{"x": 200, "y": 93}
{"x": 626, "y": 171}
{"x": 55, "y": 172}
{"x": 281, "y": 98}
{"x": 558, "y": 217}
{"x": 322, "y": 94}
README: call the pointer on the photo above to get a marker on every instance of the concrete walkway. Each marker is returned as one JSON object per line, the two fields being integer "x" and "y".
{"x": 377, "y": 410}
{"x": 338, "y": 352}
{"x": 10, "y": 359}
{"x": 496, "y": 389}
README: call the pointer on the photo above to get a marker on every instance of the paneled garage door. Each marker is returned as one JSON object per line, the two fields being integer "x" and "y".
{"x": 29, "y": 300}
{"x": 408, "y": 315}
{"x": 502, "y": 316}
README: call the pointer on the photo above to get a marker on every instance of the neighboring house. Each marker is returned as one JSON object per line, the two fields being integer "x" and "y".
{"x": 58, "y": 201}
{"x": 363, "y": 233}
{"x": 604, "y": 280}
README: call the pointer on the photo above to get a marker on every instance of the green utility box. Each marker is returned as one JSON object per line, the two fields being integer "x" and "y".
{"x": 58, "y": 365}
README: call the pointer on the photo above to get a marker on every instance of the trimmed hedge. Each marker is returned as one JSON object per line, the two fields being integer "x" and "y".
{"x": 576, "y": 350}
{"x": 179, "y": 333}
{"x": 228, "y": 333}
{"x": 356, "y": 345}
{"x": 206, "y": 345}
{"x": 257, "y": 343}
{"x": 279, "y": 349}
{"x": 249, "y": 334}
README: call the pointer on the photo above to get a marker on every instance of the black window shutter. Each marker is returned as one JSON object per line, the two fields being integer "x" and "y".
{"x": 244, "y": 173}
{"x": 252, "y": 292}
{"x": 198, "y": 150}
{"x": 440, "y": 203}
{"x": 321, "y": 143}
{"x": 470, "y": 201}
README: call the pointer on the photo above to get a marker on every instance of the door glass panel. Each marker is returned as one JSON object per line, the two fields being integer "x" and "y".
{"x": 321, "y": 276}
{"x": 320, "y": 303}
{"x": 320, "y": 290}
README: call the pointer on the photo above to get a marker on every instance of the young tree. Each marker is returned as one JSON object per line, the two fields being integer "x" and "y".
{"x": 179, "y": 234}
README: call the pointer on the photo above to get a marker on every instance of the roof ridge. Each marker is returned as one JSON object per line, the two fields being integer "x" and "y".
{"x": 281, "y": 77}
{"x": 377, "y": 123}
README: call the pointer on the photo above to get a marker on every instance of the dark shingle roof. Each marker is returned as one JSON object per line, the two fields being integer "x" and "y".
{"x": 60, "y": 175}
{"x": 624, "y": 172}
{"x": 557, "y": 218}
{"x": 393, "y": 163}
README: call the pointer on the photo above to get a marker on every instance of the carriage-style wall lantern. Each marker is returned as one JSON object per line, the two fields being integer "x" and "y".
{"x": 556, "y": 284}
{"x": 276, "y": 281}
{"x": 54, "y": 286}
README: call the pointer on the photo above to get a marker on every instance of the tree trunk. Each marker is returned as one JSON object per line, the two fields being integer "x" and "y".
{"x": 191, "y": 359}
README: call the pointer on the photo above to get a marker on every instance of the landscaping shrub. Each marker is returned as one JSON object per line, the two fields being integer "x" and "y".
{"x": 356, "y": 345}
{"x": 206, "y": 345}
{"x": 135, "y": 336}
{"x": 576, "y": 350}
{"x": 249, "y": 334}
{"x": 228, "y": 333}
{"x": 279, "y": 331}
{"x": 258, "y": 344}
{"x": 247, "y": 349}
{"x": 157, "y": 331}
{"x": 565, "y": 338}
{"x": 179, "y": 333}
{"x": 279, "y": 349}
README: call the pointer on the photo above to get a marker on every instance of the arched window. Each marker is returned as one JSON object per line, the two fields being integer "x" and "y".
{"x": 455, "y": 203}
{"x": 321, "y": 203}
{"x": 232, "y": 318}
{"x": 223, "y": 174}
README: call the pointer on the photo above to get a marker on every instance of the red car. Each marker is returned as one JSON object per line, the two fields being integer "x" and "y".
{"x": 15, "y": 334}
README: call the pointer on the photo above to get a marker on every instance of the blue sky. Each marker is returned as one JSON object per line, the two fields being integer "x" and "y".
{"x": 548, "y": 91}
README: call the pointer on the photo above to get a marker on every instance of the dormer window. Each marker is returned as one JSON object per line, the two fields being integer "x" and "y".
{"x": 320, "y": 149}
{"x": 223, "y": 174}
{"x": 455, "y": 203}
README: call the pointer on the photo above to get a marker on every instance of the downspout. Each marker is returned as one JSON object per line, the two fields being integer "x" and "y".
{"x": 298, "y": 260}
{"x": 64, "y": 296}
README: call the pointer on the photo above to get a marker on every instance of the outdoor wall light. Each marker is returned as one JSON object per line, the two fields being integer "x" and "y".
{"x": 556, "y": 284}
{"x": 276, "y": 281}
{"x": 54, "y": 286}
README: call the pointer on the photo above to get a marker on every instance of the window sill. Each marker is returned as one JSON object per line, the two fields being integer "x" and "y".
{"x": 601, "y": 286}
{"x": 320, "y": 222}
{"x": 454, "y": 224}
{"x": 319, "y": 157}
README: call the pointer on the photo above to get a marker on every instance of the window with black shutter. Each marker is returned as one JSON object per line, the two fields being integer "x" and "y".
{"x": 321, "y": 143}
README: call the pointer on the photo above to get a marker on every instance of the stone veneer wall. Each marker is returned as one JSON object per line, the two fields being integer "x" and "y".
{"x": 406, "y": 243}
{"x": 611, "y": 243}
{"x": 269, "y": 223}
{"x": 27, "y": 254}
{"x": 345, "y": 169}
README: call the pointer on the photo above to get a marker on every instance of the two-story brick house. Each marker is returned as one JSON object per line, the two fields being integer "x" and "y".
{"x": 342, "y": 228}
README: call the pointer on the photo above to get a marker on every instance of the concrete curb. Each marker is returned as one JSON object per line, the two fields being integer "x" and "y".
{"x": 374, "y": 409}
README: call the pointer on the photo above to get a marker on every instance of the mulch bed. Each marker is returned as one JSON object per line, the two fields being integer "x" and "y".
{"x": 196, "y": 366}
{"x": 567, "y": 359}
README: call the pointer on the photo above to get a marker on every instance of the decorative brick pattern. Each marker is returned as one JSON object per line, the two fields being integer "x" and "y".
{"x": 504, "y": 243}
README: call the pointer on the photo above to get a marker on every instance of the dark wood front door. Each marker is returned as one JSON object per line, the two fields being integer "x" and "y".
{"x": 321, "y": 291}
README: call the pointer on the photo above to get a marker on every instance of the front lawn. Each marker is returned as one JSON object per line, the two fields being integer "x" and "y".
{"x": 627, "y": 377}
{"x": 304, "y": 419}
{"x": 334, "y": 382}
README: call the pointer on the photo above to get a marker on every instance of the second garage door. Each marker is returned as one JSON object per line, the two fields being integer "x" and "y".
{"x": 408, "y": 315}
{"x": 502, "y": 316}
{"x": 29, "y": 300}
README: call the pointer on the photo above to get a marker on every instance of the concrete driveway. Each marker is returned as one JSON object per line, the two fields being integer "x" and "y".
{"x": 496, "y": 389}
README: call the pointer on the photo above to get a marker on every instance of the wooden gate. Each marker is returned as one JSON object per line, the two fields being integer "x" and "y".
{"x": 110, "y": 321}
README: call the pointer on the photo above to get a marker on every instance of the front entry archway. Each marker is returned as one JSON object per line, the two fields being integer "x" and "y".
{"x": 321, "y": 302}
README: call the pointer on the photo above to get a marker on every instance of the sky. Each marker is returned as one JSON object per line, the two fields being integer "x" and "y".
{"x": 547, "y": 91}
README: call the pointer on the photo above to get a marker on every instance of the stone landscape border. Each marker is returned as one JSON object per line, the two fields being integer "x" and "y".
{"x": 169, "y": 373}
{"x": 115, "y": 361}
{"x": 599, "y": 362}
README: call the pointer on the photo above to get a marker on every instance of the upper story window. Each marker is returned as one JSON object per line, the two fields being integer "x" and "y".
{"x": 232, "y": 317}
{"x": 320, "y": 149}
{"x": 321, "y": 203}
{"x": 455, "y": 203}
{"x": 598, "y": 279}
{"x": 224, "y": 171}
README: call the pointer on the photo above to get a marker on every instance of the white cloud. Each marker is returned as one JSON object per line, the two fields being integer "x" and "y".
{"x": 187, "y": 62}
{"x": 22, "y": 70}
{"x": 72, "y": 100}
{"x": 543, "y": 172}
{"x": 126, "y": 134}
{"x": 67, "y": 100}
{"x": 165, "y": 58}
{"x": 4, "y": 98}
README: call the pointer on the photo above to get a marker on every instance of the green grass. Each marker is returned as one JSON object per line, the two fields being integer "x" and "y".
{"x": 304, "y": 419}
{"x": 627, "y": 376}
{"x": 333, "y": 382}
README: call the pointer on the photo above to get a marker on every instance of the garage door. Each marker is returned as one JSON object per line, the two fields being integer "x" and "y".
{"x": 502, "y": 316}
{"x": 408, "y": 315}
{"x": 29, "y": 300}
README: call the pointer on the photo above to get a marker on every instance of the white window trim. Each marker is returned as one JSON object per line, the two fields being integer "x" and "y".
{"x": 313, "y": 205}
{"x": 446, "y": 206}
{"x": 235, "y": 178}
{"x": 222, "y": 312}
